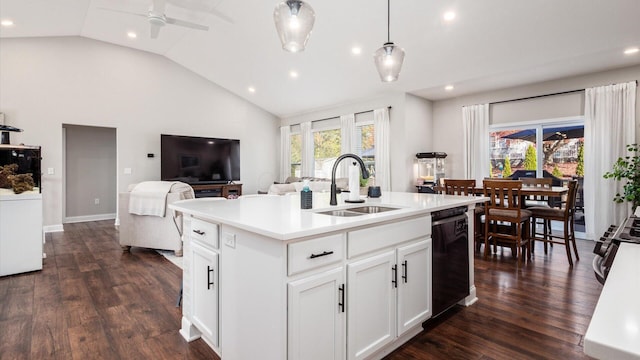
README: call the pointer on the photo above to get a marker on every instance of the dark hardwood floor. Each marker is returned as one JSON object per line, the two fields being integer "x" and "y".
{"x": 92, "y": 301}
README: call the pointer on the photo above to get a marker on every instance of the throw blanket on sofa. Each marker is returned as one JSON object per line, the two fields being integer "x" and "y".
{"x": 150, "y": 197}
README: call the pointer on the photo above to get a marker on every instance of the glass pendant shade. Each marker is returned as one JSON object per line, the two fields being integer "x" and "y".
{"x": 389, "y": 60}
{"x": 294, "y": 21}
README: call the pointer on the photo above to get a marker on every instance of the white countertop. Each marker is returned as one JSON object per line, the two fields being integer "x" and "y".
{"x": 280, "y": 217}
{"x": 8, "y": 194}
{"x": 614, "y": 331}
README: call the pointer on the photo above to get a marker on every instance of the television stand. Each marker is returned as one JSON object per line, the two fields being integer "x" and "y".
{"x": 217, "y": 190}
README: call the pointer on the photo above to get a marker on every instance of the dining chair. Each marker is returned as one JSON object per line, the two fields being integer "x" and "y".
{"x": 536, "y": 200}
{"x": 465, "y": 187}
{"x": 565, "y": 214}
{"x": 505, "y": 222}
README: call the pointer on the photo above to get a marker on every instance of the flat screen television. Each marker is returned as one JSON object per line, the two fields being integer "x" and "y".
{"x": 198, "y": 160}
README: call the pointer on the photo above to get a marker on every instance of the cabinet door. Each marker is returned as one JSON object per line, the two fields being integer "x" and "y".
{"x": 414, "y": 285}
{"x": 371, "y": 304}
{"x": 204, "y": 275}
{"x": 20, "y": 236}
{"x": 316, "y": 316}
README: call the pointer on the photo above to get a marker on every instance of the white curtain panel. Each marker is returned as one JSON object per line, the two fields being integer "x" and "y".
{"x": 285, "y": 152}
{"x": 475, "y": 126}
{"x": 308, "y": 162}
{"x": 609, "y": 126}
{"x": 348, "y": 141}
{"x": 382, "y": 153}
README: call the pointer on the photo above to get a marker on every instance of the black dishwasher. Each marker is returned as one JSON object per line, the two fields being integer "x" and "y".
{"x": 450, "y": 258}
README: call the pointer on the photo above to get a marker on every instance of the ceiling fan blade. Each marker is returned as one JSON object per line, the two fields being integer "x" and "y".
{"x": 123, "y": 12}
{"x": 183, "y": 23}
{"x": 158, "y": 6}
{"x": 155, "y": 30}
{"x": 201, "y": 6}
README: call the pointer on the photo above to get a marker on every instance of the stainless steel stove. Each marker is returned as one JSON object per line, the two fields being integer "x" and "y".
{"x": 607, "y": 246}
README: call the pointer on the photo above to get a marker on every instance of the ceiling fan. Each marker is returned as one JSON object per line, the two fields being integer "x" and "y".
{"x": 157, "y": 18}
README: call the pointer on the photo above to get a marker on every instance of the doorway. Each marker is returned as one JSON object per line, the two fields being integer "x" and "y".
{"x": 90, "y": 173}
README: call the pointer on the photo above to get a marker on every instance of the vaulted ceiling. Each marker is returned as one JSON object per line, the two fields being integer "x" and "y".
{"x": 489, "y": 44}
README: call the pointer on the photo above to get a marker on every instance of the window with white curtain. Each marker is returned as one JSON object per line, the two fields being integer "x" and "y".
{"x": 327, "y": 144}
{"x": 365, "y": 141}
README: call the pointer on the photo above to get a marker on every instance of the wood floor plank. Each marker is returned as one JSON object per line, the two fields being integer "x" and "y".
{"x": 91, "y": 300}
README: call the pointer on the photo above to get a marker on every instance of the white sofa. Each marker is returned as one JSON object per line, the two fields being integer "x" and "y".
{"x": 293, "y": 184}
{"x": 150, "y": 231}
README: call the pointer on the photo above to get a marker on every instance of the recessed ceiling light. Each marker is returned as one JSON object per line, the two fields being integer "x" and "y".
{"x": 6, "y": 23}
{"x": 448, "y": 87}
{"x": 356, "y": 50}
{"x": 449, "y": 15}
{"x": 251, "y": 89}
{"x": 632, "y": 50}
{"x": 132, "y": 35}
{"x": 293, "y": 74}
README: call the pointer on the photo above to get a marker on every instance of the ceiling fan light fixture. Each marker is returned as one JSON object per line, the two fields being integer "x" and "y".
{"x": 389, "y": 57}
{"x": 294, "y": 21}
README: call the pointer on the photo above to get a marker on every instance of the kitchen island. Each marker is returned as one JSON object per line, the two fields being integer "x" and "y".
{"x": 265, "y": 280}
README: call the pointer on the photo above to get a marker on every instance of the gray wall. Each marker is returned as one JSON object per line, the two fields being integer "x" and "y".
{"x": 47, "y": 82}
{"x": 447, "y": 114}
{"x": 90, "y": 172}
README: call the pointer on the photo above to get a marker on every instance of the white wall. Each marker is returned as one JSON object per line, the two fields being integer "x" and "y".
{"x": 447, "y": 114}
{"x": 46, "y": 82}
{"x": 410, "y": 124}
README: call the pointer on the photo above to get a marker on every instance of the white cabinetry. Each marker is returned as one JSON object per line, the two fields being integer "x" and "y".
{"x": 395, "y": 286}
{"x": 205, "y": 291}
{"x": 316, "y": 318}
{"x": 20, "y": 233}
{"x": 200, "y": 281}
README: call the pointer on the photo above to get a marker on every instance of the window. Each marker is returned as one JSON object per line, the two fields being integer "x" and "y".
{"x": 296, "y": 154}
{"x": 326, "y": 148}
{"x": 365, "y": 145}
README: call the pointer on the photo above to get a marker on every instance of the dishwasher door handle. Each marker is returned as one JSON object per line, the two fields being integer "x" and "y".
{"x": 448, "y": 220}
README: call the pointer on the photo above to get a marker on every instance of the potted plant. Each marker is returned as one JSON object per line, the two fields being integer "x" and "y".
{"x": 628, "y": 168}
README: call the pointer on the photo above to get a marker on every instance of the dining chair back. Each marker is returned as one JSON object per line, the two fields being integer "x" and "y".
{"x": 565, "y": 214}
{"x": 465, "y": 187}
{"x": 536, "y": 200}
{"x": 505, "y": 220}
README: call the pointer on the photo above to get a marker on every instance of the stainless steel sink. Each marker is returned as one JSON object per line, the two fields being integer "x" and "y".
{"x": 340, "y": 213}
{"x": 372, "y": 209}
{"x": 357, "y": 211}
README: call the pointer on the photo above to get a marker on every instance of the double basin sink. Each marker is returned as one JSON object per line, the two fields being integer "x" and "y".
{"x": 357, "y": 211}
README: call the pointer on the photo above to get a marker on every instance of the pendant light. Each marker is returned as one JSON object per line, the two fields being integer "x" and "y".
{"x": 389, "y": 57}
{"x": 294, "y": 21}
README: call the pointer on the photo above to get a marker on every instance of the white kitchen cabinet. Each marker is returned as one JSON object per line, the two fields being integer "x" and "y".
{"x": 414, "y": 285}
{"x": 371, "y": 305}
{"x": 396, "y": 287}
{"x": 20, "y": 233}
{"x": 204, "y": 277}
{"x": 316, "y": 321}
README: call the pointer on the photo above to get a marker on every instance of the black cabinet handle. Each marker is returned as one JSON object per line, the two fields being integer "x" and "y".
{"x": 209, "y": 273}
{"x": 394, "y": 278}
{"x": 199, "y": 232}
{"x": 341, "y": 302}
{"x": 404, "y": 271}
{"x": 325, "y": 253}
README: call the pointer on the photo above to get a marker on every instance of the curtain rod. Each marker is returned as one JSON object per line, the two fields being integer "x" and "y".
{"x": 539, "y": 96}
{"x": 358, "y": 113}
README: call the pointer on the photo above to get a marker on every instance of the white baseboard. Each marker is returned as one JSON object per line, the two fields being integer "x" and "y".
{"x": 53, "y": 228}
{"x": 85, "y": 218}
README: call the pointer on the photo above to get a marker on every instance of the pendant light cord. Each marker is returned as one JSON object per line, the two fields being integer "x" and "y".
{"x": 388, "y": 20}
